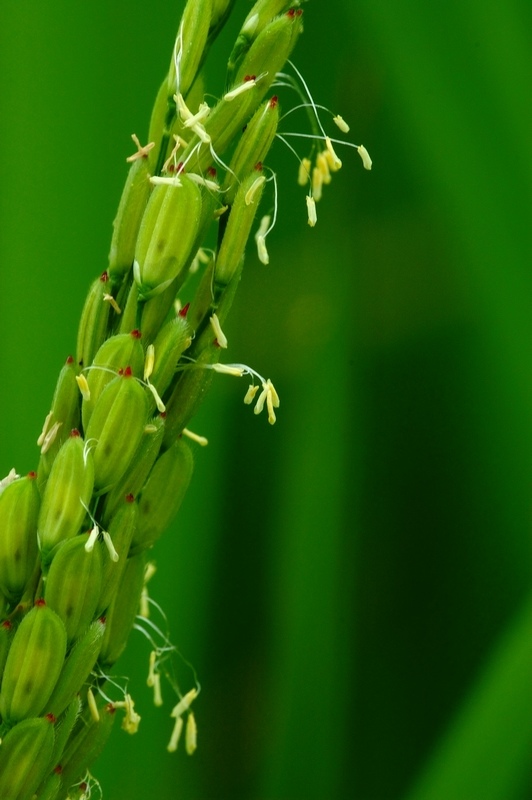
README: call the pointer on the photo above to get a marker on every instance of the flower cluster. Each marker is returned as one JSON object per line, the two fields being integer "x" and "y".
{"x": 115, "y": 459}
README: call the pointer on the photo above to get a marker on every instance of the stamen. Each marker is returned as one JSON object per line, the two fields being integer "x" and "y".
{"x": 253, "y": 189}
{"x": 270, "y": 396}
{"x": 44, "y": 431}
{"x": 262, "y": 252}
{"x": 93, "y": 708}
{"x": 108, "y": 298}
{"x": 176, "y": 735}
{"x": 93, "y": 537}
{"x": 110, "y": 546}
{"x": 323, "y": 166}
{"x": 195, "y": 437}
{"x": 227, "y": 369}
{"x": 184, "y": 704}
{"x": 149, "y": 361}
{"x": 317, "y": 183}
{"x": 131, "y": 721}
{"x": 250, "y": 394}
{"x": 158, "y": 402}
{"x": 203, "y": 112}
{"x": 364, "y": 155}
{"x": 142, "y": 151}
{"x": 191, "y": 734}
{"x": 157, "y": 180}
{"x": 244, "y": 87}
{"x": 201, "y": 181}
{"x": 221, "y": 338}
{"x": 144, "y": 608}
{"x": 260, "y": 239}
{"x": 341, "y": 123}
{"x": 81, "y": 380}
{"x": 311, "y": 209}
{"x": 11, "y": 476}
{"x": 50, "y": 437}
{"x": 179, "y": 142}
{"x": 334, "y": 162}
{"x": 304, "y": 171}
{"x": 154, "y": 680}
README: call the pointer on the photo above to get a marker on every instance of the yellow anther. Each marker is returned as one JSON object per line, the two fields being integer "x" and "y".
{"x": 253, "y": 189}
{"x": 311, "y": 210}
{"x": 149, "y": 572}
{"x": 154, "y": 680}
{"x": 191, "y": 734}
{"x": 221, "y": 338}
{"x": 149, "y": 361}
{"x": 227, "y": 369}
{"x": 113, "y": 555}
{"x": 131, "y": 720}
{"x": 271, "y": 398}
{"x": 176, "y": 735}
{"x": 108, "y": 298}
{"x": 250, "y": 394}
{"x": 93, "y": 708}
{"x": 44, "y": 431}
{"x": 323, "y": 166}
{"x": 341, "y": 123}
{"x": 179, "y": 142}
{"x": 219, "y": 212}
{"x": 93, "y": 538}
{"x": 142, "y": 151}
{"x": 195, "y": 437}
{"x": 317, "y": 183}
{"x": 334, "y": 162}
{"x": 83, "y": 386}
{"x": 202, "y": 113}
{"x": 244, "y": 87}
{"x": 364, "y": 155}
{"x": 144, "y": 605}
{"x": 184, "y": 704}
{"x": 158, "y": 402}
{"x": 50, "y": 437}
{"x": 262, "y": 251}
{"x": 304, "y": 171}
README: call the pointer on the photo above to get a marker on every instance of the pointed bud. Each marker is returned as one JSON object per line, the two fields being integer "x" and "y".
{"x": 237, "y": 230}
{"x": 121, "y": 530}
{"x": 127, "y": 221}
{"x": 94, "y": 319}
{"x": 167, "y": 235}
{"x": 169, "y": 345}
{"x": 64, "y": 416}
{"x": 117, "y": 352}
{"x": 190, "y": 45}
{"x": 252, "y": 147}
{"x": 123, "y": 611}
{"x": 66, "y": 496}
{"x": 86, "y": 744}
{"x": 117, "y": 425}
{"x": 33, "y": 664}
{"x": 135, "y": 477}
{"x": 77, "y": 667}
{"x": 19, "y": 512}
{"x": 73, "y": 585}
{"x": 25, "y": 758}
{"x": 162, "y": 495}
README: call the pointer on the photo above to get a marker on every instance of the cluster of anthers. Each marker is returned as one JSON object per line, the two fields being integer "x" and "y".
{"x": 314, "y": 172}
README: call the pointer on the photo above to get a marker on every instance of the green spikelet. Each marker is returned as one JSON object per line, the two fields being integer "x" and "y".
{"x": 33, "y": 664}
{"x": 25, "y": 758}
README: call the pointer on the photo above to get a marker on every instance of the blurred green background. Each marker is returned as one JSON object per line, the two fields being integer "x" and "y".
{"x": 353, "y": 584}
